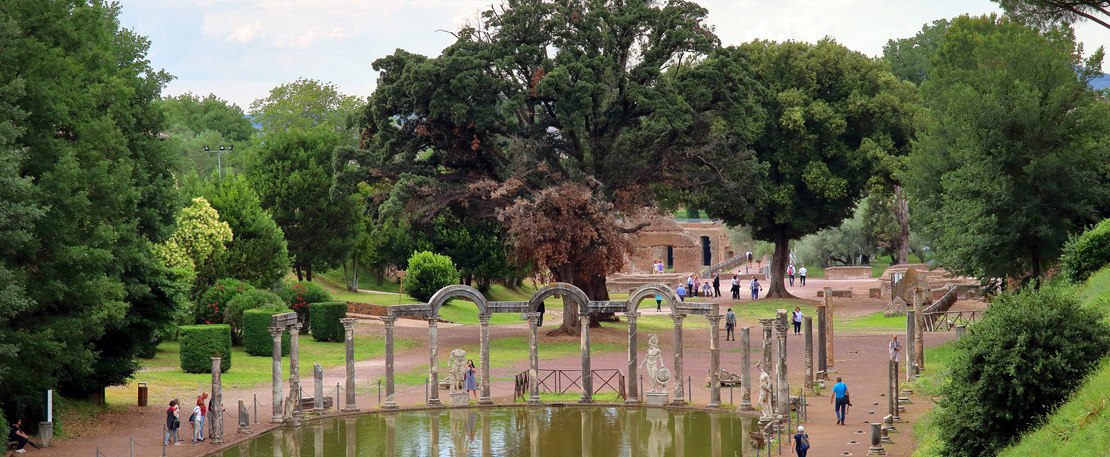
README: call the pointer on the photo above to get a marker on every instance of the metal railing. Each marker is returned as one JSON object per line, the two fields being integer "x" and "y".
{"x": 563, "y": 381}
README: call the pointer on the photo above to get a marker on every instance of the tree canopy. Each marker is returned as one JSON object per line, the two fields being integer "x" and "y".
{"x": 92, "y": 295}
{"x": 193, "y": 122}
{"x": 1044, "y": 13}
{"x": 1014, "y": 155}
{"x": 304, "y": 104}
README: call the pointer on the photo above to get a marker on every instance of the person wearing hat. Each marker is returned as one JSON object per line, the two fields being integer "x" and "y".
{"x": 800, "y": 442}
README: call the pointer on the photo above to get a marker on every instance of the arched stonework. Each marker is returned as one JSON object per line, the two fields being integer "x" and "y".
{"x": 561, "y": 288}
{"x": 651, "y": 290}
{"x": 442, "y": 295}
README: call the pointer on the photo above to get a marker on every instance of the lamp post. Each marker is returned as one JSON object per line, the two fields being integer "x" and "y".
{"x": 219, "y": 160}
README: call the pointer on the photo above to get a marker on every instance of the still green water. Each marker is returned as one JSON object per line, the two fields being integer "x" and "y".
{"x": 538, "y": 431}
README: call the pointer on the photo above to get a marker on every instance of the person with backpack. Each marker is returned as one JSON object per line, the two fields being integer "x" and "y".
{"x": 197, "y": 420}
{"x": 790, "y": 273}
{"x": 843, "y": 400}
{"x": 800, "y": 442}
{"x": 754, "y": 286}
{"x": 173, "y": 423}
{"x": 730, "y": 325}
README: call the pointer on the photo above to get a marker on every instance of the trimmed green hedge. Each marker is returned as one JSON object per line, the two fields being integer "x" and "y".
{"x": 199, "y": 343}
{"x": 256, "y": 333}
{"x": 325, "y": 320}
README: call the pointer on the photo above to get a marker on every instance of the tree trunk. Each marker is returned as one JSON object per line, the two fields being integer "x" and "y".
{"x": 354, "y": 282}
{"x": 300, "y": 275}
{"x": 776, "y": 288}
{"x": 902, "y": 214}
{"x": 308, "y": 273}
{"x": 1036, "y": 261}
{"x": 596, "y": 290}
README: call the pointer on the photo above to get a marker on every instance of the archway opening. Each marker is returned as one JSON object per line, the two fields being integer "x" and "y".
{"x": 706, "y": 252}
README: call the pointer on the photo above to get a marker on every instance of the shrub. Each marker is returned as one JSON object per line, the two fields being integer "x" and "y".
{"x": 325, "y": 321}
{"x": 256, "y": 332}
{"x": 1027, "y": 355}
{"x": 299, "y": 295}
{"x": 199, "y": 343}
{"x": 209, "y": 309}
{"x": 428, "y": 273}
{"x": 250, "y": 299}
{"x": 1087, "y": 253}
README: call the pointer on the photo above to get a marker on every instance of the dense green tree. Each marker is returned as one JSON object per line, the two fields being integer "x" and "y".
{"x": 1044, "y": 13}
{"x": 258, "y": 253}
{"x": 94, "y": 294}
{"x": 1014, "y": 155}
{"x": 292, "y": 172}
{"x": 200, "y": 237}
{"x": 830, "y": 122}
{"x": 305, "y": 104}
{"x": 193, "y": 122}
{"x": 844, "y": 244}
{"x": 540, "y": 95}
{"x": 911, "y": 59}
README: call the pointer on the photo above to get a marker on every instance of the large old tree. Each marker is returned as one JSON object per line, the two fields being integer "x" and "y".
{"x": 827, "y": 123}
{"x": 545, "y": 112}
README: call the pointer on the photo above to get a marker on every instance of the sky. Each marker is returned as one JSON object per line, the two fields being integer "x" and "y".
{"x": 240, "y": 49}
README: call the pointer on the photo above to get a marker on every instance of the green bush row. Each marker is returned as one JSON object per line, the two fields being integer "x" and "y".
{"x": 199, "y": 343}
{"x": 325, "y": 320}
{"x": 257, "y": 340}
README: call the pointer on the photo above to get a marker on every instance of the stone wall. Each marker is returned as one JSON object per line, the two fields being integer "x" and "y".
{"x": 651, "y": 242}
{"x": 850, "y": 272}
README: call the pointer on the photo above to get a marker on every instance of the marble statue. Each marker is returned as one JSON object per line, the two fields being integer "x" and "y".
{"x": 765, "y": 408}
{"x": 456, "y": 364}
{"x": 657, "y": 373}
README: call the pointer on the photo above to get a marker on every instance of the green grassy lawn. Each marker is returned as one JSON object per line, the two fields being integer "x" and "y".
{"x": 1078, "y": 427}
{"x": 165, "y": 380}
{"x": 769, "y": 308}
{"x": 872, "y": 322}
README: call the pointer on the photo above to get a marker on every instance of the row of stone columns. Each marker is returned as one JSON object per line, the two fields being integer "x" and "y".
{"x": 283, "y": 411}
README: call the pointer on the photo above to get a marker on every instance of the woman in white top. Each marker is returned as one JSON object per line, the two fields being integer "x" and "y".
{"x": 798, "y": 315}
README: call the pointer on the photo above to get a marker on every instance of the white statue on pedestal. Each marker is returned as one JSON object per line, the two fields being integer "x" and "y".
{"x": 765, "y": 408}
{"x": 456, "y": 364}
{"x": 657, "y": 373}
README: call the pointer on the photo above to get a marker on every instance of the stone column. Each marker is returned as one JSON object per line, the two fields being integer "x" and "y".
{"x": 680, "y": 381}
{"x": 217, "y": 425}
{"x": 633, "y": 383}
{"x": 484, "y": 397}
{"x": 244, "y": 419}
{"x": 390, "y": 400}
{"x": 349, "y": 332}
{"x": 894, "y": 394}
{"x": 295, "y": 369}
{"x": 276, "y": 332}
{"x": 714, "y": 360}
{"x": 783, "y": 386}
{"x": 822, "y": 338}
{"x": 318, "y": 389}
{"x": 919, "y": 328}
{"x": 766, "y": 363}
{"x": 533, "y": 359}
{"x": 745, "y": 369}
{"x": 433, "y": 361}
{"x": 587, "y": 374}
{"x": 808, "y": 324}
{"x": 876, "y": 440}
{"x": 830, "y": 333}
{"x": 911, "y": 340}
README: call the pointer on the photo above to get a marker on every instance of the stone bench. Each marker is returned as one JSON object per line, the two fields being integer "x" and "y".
{"x": 838, "y": 293}
{"x": 859, "y": 272}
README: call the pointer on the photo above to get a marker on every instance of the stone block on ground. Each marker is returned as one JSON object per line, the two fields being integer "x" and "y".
{"x": 460, "y": 399}
{"x": 848, "y": 272}
{"x": 838, "y": 293}
{"x": 657, "y": 399}
{"x": 875, "y": 292}
{"x": 895, "y": 308}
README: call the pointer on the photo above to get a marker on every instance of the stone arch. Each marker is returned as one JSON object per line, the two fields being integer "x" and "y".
{"x": 561, "y": 288}
{"x": 442, "y": 295}
{"x": 651, "y": 290}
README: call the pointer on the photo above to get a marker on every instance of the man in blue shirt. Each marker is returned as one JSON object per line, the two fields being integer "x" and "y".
{"x": 681, "y": 292}
{"x": 840, "y": 394}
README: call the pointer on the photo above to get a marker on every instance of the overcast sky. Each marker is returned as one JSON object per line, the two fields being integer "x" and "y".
{"x": 240, "y": 49}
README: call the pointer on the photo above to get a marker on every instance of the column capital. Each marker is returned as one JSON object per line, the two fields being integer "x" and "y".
{"x": 781, "y": 327}
{"x": 677, "y": 318}
{"x": 483, "y": 318}
{"x": 584, "y": 318}
{"x": 295, "y": 329}
{"x": 533, "y": 318}
{"x": 433, "y": 320}
{"x": 714, "y": 318}
{"x": 767, "y": 321}
{"x": 348, "y": 322}
{"x": 631, "y": 317}
{"x": 276, "y": 331}
{"x": 389, "y": 321}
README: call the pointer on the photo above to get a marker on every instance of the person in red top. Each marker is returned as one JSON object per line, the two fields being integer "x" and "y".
{"x": 203, "y": 414}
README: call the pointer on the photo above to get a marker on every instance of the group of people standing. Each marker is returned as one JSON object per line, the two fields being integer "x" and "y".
{"x": 197, "y": 419}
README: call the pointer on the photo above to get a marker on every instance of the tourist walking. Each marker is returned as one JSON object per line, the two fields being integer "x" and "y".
{"x": 730, "y": 324}
{"x": 790, "y": 273}
{"x": 470, "y": 379}
{"x": 754, "y": 286}
{"x": 540, "y": 309}
{"x": 895, "y": 348}
{"x": 658, "y": 302}
{"x": 735, "y": 287}
{"x": 798, "y": 315}
{"x": 681, "y": 292}
{"x": 717, "y": 284}
{"x": 173, "y": 423}
{"x": 800, "y": 442}
{"x": 842, "y": 399}
{"x": 802, "y": 275}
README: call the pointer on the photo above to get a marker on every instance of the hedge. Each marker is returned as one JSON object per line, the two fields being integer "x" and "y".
{"x": 199, "y": 343}
{"x": 325, "y": 320}
{"x": 299, "y": 296}
{"x": 210, "y": 308}
{"x": 256, "y": 333}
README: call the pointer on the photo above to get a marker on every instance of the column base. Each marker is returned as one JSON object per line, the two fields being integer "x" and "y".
{"x": 350, "y": 409}
{"x": 244, "y": 429}
{"x": 535, "y": 401}
{"x": 713, "y": 405}
{"x": 277, "y": 420}
{"x": 745, "y": 407}
{"x": 389, "y": 405}
{"x": 319, "y": 411}
{"x": 632, "y": 401}
{"x": 435, "y": 403}
{"x": 485, "y": 401}
{"x": 657, "y": 399}
{"x": 679, "y": 402}
{"x": 585, "y": 400}
{"x": 876, "y": 451}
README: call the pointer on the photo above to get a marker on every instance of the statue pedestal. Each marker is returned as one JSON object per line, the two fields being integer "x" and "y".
{"x": 657, "y": 399}
{"x": 460, "y": 399}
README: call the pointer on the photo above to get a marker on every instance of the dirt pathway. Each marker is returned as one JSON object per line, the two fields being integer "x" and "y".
{"x": 860, "y": 360}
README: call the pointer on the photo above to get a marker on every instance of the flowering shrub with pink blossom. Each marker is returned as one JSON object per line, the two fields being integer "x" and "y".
{"x": 210, "y": 308}
{"x": 298, "y": 295}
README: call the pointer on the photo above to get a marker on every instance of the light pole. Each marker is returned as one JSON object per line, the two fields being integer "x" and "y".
{"x": 219, "y": 160}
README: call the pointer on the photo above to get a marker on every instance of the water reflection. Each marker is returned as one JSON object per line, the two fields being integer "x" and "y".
{"x": 523, "y": 432}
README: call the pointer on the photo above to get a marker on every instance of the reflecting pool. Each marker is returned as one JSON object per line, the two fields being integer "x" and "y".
{"x": 518, "y": 431}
